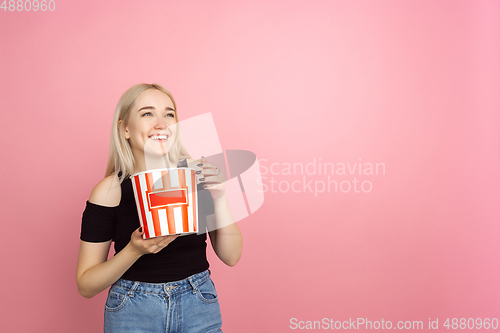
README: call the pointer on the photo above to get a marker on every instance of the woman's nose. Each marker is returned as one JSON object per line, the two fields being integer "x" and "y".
{"x": 160, "y": 123}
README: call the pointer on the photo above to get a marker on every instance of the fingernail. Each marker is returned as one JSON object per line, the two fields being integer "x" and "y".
{"x": 140, "y": 229}
{"x": 202, "y": 179}
{"x": 197, "y": 172}
{"x": 201, "y": 164}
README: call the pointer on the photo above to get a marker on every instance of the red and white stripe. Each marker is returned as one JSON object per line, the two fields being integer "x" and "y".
{"x": 166, "y": 201}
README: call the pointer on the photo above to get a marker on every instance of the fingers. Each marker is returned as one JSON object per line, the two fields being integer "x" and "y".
{"x": 137, "y": 234}
{"x": 162, "y": 242}
{"x": 165, "y": 240}
{"x": 151, "y": 245}
{"x": 211, "y": 180}
{"x": 208, "y": 173}
{"x": 207, "y": 168}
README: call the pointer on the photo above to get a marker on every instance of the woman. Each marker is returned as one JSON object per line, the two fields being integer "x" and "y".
{"x": 160, "y": 284}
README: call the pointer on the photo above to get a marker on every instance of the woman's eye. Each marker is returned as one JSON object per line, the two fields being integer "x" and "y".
{"x": 146, "y": 114}
{"x": 170, "y": 115}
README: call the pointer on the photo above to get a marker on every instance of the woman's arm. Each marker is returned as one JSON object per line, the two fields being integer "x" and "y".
{"x": 93, "y": 272}
{"x": 225, "y": 235}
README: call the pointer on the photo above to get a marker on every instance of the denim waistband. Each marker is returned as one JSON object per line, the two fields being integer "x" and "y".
{"x": 167, "y": 288}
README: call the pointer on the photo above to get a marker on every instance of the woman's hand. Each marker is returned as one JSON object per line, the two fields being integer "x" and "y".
{"x": 152, "y": 245}
{"x": 212, "y": 179}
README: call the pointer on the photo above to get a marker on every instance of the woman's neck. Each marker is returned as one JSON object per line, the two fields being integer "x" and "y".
{"x": 144, "y": 163}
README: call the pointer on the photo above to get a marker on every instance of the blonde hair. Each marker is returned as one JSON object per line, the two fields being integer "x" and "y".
{"x": 121, "y": 159}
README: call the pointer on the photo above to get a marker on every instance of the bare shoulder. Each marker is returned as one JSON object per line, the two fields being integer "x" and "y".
{"x": 107, "y": 192}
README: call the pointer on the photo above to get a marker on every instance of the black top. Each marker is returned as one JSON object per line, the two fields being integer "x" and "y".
{"x": 184, "y": 257}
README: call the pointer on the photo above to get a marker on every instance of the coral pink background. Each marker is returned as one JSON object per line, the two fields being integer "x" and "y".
{"x": 411, "y": 84}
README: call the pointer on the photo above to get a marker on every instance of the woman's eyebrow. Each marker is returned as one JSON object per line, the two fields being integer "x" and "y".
{"x": 153, "y": 108}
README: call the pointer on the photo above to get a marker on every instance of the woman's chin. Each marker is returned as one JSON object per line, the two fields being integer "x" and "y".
{"x": 157, "y": 148}
{"x": 155, "y": 155}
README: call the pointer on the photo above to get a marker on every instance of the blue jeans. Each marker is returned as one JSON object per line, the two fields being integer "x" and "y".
{"x": 188, "y": 305}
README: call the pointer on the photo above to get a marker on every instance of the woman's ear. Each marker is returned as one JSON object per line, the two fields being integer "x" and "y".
{"x": 125, "y": 130}
{"x": 126, "y": 133}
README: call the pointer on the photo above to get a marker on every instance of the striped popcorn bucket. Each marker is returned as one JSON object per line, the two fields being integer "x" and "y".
{"x": 167, "y": 201}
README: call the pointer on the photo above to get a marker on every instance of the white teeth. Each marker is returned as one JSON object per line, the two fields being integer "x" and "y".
{"x": 159, "y": 137}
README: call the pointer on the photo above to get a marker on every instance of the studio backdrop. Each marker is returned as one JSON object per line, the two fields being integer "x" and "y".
{"x": 375, "y": 125}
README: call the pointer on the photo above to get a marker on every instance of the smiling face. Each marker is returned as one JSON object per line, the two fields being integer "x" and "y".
{"x": 151, "y": 128}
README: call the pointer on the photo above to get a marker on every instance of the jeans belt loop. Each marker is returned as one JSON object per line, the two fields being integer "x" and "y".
{"x": 133, "y": 288}
{"x": 192, "y": 284}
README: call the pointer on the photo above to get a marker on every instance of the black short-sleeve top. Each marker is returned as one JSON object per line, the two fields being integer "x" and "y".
{"x": 185, "y": 256}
